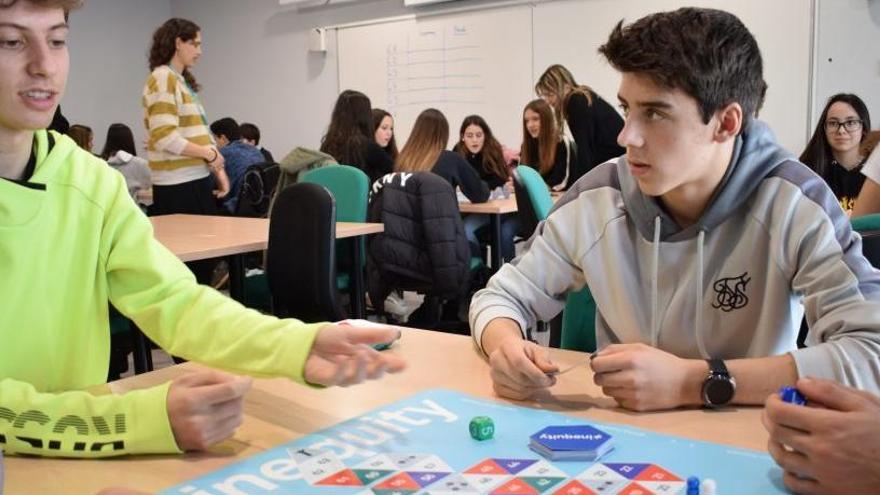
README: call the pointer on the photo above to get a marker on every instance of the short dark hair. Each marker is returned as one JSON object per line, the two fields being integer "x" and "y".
{"x": 227, "y": 126}
{"x": 119, "y": 138}
{"x": 709, "y": 54}
{"x": 66, "y": 5}
{"x": 250, "y": 132}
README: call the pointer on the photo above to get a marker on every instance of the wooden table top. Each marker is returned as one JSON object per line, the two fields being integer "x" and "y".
{"x": 494, "y": 206}
{"x": 277, "y": 411}
{"x": 197, "y": 237}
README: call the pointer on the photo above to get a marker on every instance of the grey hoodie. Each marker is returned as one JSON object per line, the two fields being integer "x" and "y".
{"x": 771, "y": 244}
{"x": 136, "y": 171}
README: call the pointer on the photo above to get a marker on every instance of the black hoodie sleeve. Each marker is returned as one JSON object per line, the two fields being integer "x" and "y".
{"x": 458, "y": 172}
{"x": 594, "y": 129}
{"x": 379, "y": 162}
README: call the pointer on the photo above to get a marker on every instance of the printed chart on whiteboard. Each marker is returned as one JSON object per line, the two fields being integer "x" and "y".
{"x": 475, "y": 63}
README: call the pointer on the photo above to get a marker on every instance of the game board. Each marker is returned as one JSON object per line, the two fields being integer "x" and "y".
{"x": 421, "y": 445}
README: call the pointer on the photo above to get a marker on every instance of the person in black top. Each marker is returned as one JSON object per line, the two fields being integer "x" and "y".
{"x": 545, "y": 149}
{"x": 424, "y": 152}
{"x": 833, "y": 151}
{"x": 250, "y": 134}
{"x": 483, "y": 152}
{"x": 383, "y": 132}
{"x": 349, "y": 137}
{"x": 593, "y": 123}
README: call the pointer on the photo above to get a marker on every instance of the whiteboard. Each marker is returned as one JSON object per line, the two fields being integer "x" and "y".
{"x": 570, "y": 32}
{"x": 462, "y": 64}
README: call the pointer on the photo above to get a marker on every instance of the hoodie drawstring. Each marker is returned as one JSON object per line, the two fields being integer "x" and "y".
{"x": 698, "y": 328}
{"x": 655, "y": 325}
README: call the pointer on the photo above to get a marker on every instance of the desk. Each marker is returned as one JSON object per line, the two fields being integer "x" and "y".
{"x": 494, "y": 208}
{"x": 277, "y": 411}
{"x": 198, "y": 237}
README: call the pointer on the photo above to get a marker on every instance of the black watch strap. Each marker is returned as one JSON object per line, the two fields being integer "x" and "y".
{"x": 717, "y": 367}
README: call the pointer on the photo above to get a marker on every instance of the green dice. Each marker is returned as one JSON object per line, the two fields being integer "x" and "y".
{"x": 482, "y": 428}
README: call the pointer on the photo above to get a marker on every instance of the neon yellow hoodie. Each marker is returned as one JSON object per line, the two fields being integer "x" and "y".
{"x": 64, "y": 253}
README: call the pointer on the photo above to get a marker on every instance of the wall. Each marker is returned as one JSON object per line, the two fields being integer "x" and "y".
{"x": 109, "y": 40}
{"x": 848, "y": 53}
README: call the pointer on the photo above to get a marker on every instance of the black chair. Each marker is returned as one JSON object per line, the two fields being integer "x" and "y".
{"x": 301, "y": 257}
{"x": 257, "y": 187}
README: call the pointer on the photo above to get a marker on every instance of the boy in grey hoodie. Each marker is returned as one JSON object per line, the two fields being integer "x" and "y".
{"x": 702, "y": 246}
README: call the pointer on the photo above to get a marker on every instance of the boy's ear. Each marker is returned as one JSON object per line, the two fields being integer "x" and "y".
{"x": 730, "y": 121}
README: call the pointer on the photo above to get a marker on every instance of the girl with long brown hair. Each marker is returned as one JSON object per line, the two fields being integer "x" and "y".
{"x": 544, "y": 148}
{"x": 383, "y": 132}
{"x": 180, "y": 148}
{"x": 349, "y": 137}
{"x": 592, "y": 122}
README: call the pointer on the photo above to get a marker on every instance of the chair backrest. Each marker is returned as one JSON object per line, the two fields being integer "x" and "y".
{"x": 533, "y": 201}
{"x": 301, "y": 257}
{"x": 869, "y": 228}
{"x": 257, "y": 188}
{"x": 349, "y": 186}
{"x": 579, "y": 322}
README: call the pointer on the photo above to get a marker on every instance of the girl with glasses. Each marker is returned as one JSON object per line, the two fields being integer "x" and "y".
{"x": 833, "y": 151}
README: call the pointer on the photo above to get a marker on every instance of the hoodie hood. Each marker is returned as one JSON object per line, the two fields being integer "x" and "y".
{"x": 755, "y": 155}
{"x": 120, "y": 158}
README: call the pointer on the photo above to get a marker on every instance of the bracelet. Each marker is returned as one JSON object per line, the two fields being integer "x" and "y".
{"x": 215, "y": 156}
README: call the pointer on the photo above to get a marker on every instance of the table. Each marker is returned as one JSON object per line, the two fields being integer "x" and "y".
{"x": 494, "y": 208}
{"x": 277, "y": 411}
{"x": 198, "y": 237}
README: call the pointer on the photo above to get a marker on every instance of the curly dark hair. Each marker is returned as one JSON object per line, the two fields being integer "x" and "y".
{"x": 350, "y": 130}
{"x": 709, "y": 54}
{"x": 164, "y": 45}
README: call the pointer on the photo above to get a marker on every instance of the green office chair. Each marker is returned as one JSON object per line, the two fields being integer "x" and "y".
{"x": 577, "y": 328}
{"x": 350, "y": 188}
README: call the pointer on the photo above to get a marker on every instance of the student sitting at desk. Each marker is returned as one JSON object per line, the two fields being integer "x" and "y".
{"x": 701, "y": 246}
{"x": 425, "y": 151}
{"x": 72, "y": 240}
{"x": 383, "y": 132}
{"x": 349, "y": 137}
{"x": 545, "y": 149}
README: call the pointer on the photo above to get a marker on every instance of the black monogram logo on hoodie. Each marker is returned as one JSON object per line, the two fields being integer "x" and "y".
{"x": 730, "y": 293}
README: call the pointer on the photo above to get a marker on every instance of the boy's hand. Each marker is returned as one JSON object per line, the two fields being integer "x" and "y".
{"x": 643, "y": 378}
{"x": 205, "y": 407}
{"x": 829, "y": 448}
{"x": 519, "y": 369}
{"x": 342, "y": 355}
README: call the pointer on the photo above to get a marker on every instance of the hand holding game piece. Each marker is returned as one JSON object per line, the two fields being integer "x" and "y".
{"x": 792, "y": 396}
{"x": 341, "y": 354}
{"x": 575, "y": 365}
{"x": 831, "y": 447}
{"x": 205, "y": 407}
{"x": 520, "y": 369}
{"x": 644, "y": 378}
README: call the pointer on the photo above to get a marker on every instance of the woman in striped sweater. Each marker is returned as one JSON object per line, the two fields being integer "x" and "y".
{"x": 181, "y": 151}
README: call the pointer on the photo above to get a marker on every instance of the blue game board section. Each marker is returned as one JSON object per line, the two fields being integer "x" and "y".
{"x": 420, "y": 443}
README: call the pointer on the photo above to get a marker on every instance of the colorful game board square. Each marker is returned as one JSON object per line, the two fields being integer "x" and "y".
{"x": 453, "y": 485}
{"x": 542, "y": 468}
{"x": 488, "y": 466}
{"x": 656, "y": 473}
{"x": 346, "y": 477}
{"x": 515, "y": 486}
{"x": 425, "y": 478}
{"x": 392, "y": 492}
{"x": 380, "y": 462}
{"x": 600, "y": 472}
{"x": 574, "y": 487}
{"x": 404, "y": 461}
{"x": 665, "y": 487}
{"x": 635, "y": 489}
{"x": 542, "y": 483}
{"x": 486, "y": 482}
{"x": 316, "y": 465}
{"x": 400, "y": 481}
{"x": 368, "y": 476}
{"x": 514, "y": 466}
{"x": 606, "y": 487}
{"x": 432, "y": 463}
{"x": 630, "y": 471}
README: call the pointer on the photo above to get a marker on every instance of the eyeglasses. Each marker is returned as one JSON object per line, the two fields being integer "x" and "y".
{"x": 849, "y": 125}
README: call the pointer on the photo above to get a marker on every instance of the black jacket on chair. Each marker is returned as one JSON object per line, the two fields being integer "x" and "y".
{"x": 423, "y": 247}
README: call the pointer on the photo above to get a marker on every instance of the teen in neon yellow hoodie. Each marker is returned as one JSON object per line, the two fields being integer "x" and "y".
{"x": 66, "y": 251}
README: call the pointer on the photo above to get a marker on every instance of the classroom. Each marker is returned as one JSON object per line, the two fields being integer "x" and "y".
{"x": 375, "y": 247}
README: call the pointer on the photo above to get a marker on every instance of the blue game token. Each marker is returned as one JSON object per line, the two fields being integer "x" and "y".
{"x": 693, "y": 485}
{"x": 792, "y": 396}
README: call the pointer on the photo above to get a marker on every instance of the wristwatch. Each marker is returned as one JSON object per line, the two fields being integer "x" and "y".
{"x": 719, "y": 386}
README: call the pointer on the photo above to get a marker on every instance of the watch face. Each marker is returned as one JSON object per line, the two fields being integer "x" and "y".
{"x": 718, "y": 391}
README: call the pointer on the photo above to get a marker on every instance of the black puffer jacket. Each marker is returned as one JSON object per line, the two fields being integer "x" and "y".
{"x": 423, "y": 247}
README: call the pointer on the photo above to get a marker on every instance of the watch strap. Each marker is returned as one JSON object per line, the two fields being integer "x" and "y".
{"x": 717, "y": 367}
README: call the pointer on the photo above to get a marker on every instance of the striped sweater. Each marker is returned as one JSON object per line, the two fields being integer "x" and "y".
{"x": 173, "y": 116}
